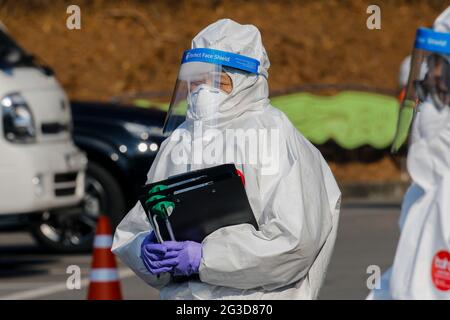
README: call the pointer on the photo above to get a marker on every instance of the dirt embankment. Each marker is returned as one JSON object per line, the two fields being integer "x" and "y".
{"x": 131, "y": 46}
{"x": 136, "y": 45}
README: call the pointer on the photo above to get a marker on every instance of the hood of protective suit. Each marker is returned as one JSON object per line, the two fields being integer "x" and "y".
{"x": 442, "y": 22}
{"x": 405, "y": 68}
{"x": 250, "y": 91}
{"x": 228, "y": 35}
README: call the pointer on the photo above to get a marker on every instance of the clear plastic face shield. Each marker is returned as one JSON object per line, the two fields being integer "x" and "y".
{"x": 429, "y": 78}
{"x": 203, "y": 85}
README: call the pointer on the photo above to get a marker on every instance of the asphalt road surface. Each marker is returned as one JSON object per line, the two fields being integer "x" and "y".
{"x": 368, "y": 235}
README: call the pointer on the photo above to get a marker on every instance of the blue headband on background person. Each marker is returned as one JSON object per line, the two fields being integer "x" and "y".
{"x": 430, "y": 40}
{"x": 219, "y": 57}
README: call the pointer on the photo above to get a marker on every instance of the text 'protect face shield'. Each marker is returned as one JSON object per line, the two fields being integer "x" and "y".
{"x": 429, "y": 78}
{"x": 203, "y": 85}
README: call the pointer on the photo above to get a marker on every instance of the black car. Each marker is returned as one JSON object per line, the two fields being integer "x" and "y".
{"x": 121, "y": 143}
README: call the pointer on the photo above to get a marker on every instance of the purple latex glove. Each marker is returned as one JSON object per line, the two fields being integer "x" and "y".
{"x": 156, "y": 257}
{"x": 189, "y": 256}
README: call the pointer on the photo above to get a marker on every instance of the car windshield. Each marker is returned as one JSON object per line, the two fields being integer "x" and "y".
{"x": 11, "y": 55}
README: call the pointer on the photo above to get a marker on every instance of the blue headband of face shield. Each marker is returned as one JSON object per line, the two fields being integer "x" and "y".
{"x": 223, "y": 58}
{"x": 433, "y": 41}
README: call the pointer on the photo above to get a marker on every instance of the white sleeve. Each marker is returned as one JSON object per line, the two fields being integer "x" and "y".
{"x": 127, "y": 245}
{"x": 299, "y": 221}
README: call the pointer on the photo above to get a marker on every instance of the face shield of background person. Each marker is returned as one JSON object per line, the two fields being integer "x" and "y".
{"x": 421, "y": 82}
{"x": 432, "y": 112}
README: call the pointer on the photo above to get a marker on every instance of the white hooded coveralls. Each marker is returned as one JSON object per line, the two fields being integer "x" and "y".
{"x": 296, "y": 206}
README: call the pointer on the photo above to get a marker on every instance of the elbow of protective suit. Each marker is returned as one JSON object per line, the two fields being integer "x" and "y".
{"x": 249, "y": 260}
{"x": 289, "y": 268}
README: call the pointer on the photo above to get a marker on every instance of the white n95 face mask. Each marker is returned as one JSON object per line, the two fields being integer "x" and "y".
{"x": 204, "y": 101}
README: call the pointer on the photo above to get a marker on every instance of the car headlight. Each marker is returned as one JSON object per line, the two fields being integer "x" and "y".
{"x": 18, "y": 122}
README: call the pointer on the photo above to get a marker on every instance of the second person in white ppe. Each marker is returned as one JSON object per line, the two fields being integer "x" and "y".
{"x": 222, "y": 86}
{"x": 421, "y": 268}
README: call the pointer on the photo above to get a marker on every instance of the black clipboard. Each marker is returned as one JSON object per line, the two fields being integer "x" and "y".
{"x": 205, "y": 200}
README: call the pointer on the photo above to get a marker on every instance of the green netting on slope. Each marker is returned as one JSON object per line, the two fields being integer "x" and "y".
{"x": 146, "y": 103}
{"x": 350, "y": 118}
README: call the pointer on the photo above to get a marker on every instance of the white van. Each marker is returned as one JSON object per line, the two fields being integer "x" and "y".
{"x": 40, "y": 167}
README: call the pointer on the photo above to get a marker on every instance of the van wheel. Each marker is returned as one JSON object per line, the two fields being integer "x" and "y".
{"x": 72, "y": 230}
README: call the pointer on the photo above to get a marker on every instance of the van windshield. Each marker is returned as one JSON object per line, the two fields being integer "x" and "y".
{"x": 11, "y": 55}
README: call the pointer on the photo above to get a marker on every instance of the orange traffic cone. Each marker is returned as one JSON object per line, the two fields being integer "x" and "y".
{"x": 104, "y": 279}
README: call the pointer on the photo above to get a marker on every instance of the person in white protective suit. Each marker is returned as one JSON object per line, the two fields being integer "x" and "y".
{"x": 421, "y": 268}
{"x": 222, "y": 83}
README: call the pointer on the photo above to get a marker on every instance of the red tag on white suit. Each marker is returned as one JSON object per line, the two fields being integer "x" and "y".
{"x": 440, "y": 270}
